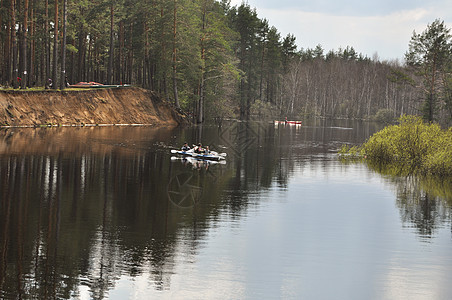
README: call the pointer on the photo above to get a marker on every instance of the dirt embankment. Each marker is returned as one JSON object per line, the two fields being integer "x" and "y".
{"x": 101, "y": 106}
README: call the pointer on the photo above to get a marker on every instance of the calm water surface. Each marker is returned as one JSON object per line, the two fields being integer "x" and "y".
{"x": 108, "y": 213}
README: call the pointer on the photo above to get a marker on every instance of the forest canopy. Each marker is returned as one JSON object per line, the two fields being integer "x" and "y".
{"x": 216, "y": 61}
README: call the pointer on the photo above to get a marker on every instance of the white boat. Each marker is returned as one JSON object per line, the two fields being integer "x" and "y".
{"x": 198, "y": 162}
{"x": 212, "y": 155}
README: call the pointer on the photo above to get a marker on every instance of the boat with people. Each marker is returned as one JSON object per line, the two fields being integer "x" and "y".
{"x": 212, "y": 155}
{"x": 288, "y": 122}
{"x": 199, "y": 152}
{"x": 197, "y": 162}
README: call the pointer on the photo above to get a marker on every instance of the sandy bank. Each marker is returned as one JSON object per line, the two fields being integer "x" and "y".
{"x": 91, "y": 107}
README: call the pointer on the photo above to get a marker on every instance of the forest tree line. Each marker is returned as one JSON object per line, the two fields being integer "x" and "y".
{"x": 214, "y": 61}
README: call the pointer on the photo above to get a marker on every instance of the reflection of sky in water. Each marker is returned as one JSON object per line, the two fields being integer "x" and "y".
{"x": 319, "y": 238}
{"x": 291, "y": 222}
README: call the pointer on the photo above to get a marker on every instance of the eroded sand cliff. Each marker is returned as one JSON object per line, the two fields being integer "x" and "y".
{"x": 94, "y": 106}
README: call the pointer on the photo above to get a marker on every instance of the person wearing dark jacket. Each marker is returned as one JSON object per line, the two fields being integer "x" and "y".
{"x": 185, "y": 147}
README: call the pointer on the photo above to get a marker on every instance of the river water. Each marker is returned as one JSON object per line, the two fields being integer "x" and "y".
{"x": 108, "y": 213}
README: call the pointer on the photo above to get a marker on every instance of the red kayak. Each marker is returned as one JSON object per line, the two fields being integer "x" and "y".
{"x": 288, "y": 122}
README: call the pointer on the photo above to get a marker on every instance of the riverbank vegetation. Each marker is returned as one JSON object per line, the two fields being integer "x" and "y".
{"x": 213, "y": 60}
{"x": 410, "y": 147}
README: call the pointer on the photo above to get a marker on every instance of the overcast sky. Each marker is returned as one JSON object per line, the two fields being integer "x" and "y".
{"x": 380, "y": 27}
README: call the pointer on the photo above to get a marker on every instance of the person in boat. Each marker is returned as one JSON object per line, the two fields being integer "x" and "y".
{"x": 198, "y": 149}
{"x": 185, "y": 147}
{"x": 206, "y": 150}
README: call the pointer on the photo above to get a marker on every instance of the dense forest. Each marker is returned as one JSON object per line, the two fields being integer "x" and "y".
{"x": 215, "y": 61}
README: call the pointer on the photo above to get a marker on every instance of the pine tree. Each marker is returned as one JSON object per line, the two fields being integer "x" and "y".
{"x": 429, "y": 53}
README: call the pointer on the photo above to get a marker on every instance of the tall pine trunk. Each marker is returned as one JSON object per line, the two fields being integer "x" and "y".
{"x": 145, "y": 68}
{"x": 47, "y": 45}
{"x": 31, "y": 64}
{"x": 7, "y": 53}
{"x": 2, "y": 44}
{"x": 63, "y": 48}
{"x": 130, "y": 51}
{"x": 81, "y": 55}
{"x": 110, "y": 52}
{"x": 55, "y": 49}
{"x": 203, "y": 57}
{"x": 121, "y": 53}
{"x": 164, "y": 86}
{"x": 176, "y": 96}
{"x": 201, "y": 99}
{"x": 23, "y": 59}
{"x": 14, "y": 44}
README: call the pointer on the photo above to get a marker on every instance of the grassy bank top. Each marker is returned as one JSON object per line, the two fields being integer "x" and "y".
{"x": 70, "y": 89}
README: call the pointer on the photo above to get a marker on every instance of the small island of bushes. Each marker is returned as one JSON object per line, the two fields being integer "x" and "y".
{"x": 410, "y": 147}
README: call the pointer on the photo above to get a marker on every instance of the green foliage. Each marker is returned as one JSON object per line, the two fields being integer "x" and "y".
{"x": 71, "y": 48}
{"x": 429, "y": 53}
{"x": 411, "y": 147}
{"x": 262, "y": 110}
{"x": 346, "y": 153}
{"x": 384, "y": 115}
{"x": 400, "y": 77}
{"x": 228, "y": 55}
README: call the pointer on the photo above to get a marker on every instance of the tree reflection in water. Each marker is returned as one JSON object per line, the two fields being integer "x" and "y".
{"x": 421, "y": 206}
{"x": 69, "y": 205}
{"x": 424, "y": 202}
{"x": 82, "y": 208}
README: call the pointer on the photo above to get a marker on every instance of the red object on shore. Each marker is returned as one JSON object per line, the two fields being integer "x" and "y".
{"x": 86, "y": 84}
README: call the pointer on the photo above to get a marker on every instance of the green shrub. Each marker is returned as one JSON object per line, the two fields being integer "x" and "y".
{"x": 384, "y": 115}
{"x": 413, "y": 145}
{"x": 354, "y": 152}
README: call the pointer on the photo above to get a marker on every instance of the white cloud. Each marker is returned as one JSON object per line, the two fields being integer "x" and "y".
{"x": 387, "y": 35}
{"x": 386, "y": 32}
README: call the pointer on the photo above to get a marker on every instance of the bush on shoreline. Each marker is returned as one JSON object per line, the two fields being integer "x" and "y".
{"x": 414, "y": 146}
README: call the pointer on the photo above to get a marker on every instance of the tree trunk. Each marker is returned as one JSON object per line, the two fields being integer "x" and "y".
{"x": 176, "y": 96}
{"x": 81, "y": 65}
{"x": 31, "y": 65}
{"x": 55, "y": 49}
{"x": 432, "y": 96}
{"x": 262, "y": 71}
{"x": 7, "y": 53}
{"x": 110, "y": 54}
{"x": 130, "y": 58}
{"x": 163, "y": 58}
{"x": 14, "y": 44}
{"x": 72, "y": 65}
{"x": 47, "y": 45}
{"x": 2, "y": 45}
{"x": 121, "y": 53}
{"x": 203, "y": 57}
{"x": 63, "y": 48}
{"x": 201, "y": 99}
{"x": 145, "y": 69}
{"x": 88, "y": 70}
{"x": 23, "y": 82}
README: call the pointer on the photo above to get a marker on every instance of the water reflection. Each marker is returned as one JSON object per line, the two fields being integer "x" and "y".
{"x": 85, "y": 210}
{"x": 424, "y": 202}
{"x": 420, "y": 205}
